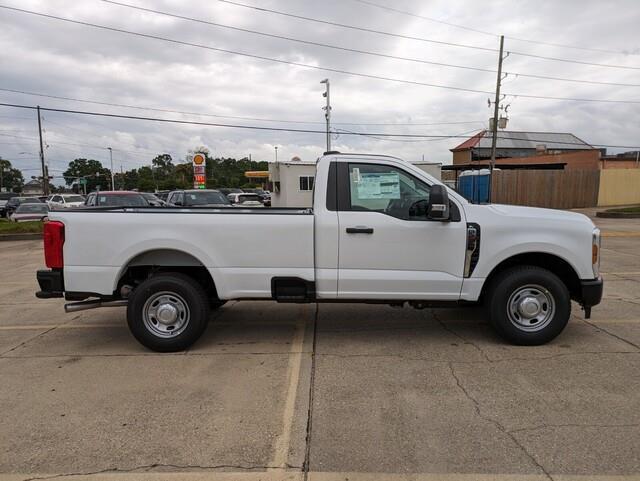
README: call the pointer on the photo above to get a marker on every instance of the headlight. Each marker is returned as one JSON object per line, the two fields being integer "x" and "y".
{"x": 595, "y": 252}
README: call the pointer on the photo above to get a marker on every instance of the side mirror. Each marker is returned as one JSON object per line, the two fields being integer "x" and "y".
{"x": 177, "y": 202}
{"x": 438, "y": 208}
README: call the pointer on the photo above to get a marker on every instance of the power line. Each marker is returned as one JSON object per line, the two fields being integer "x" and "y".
{"x": 379, "y": 32}
{"x": 361, "y": 29}
{"x": 243, "y": 54}
{"x": 315, "y": 67}
{"x": 282, "y": 129}
{"x": 111, "y": 104}
{"x": 464, "y": 27}
{"x": 359, "y": 51}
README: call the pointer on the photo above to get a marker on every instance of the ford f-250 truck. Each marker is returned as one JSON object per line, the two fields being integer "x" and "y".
{"x": 380, "y": 231}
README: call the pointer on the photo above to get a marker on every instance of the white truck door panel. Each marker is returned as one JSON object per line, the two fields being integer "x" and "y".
{"x": 385, "y": 253}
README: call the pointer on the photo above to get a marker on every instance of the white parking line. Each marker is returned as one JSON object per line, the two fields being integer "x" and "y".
{"x": 281, "y": 450}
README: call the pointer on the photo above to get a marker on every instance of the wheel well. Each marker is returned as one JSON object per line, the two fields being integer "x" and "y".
{"x": 553, "y": 263}
{"x": 149, "y": 263}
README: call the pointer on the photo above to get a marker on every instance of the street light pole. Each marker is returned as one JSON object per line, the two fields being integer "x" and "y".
{"x": 276, "y": 149}
{"x": 45, "y": 176}
{"x": 327, "y": 112}
{"x": 112, "y": 177}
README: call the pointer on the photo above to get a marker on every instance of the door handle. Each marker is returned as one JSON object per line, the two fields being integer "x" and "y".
{"x": 359, "y": 230}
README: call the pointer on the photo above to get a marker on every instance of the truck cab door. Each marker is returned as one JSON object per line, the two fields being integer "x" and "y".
{"x": 388, "y": 248}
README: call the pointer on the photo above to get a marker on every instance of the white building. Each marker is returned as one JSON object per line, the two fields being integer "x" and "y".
{"x": 293, "y": 181}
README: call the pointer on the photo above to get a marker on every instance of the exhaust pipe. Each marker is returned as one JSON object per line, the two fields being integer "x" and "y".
{"x": 92, "y": 304}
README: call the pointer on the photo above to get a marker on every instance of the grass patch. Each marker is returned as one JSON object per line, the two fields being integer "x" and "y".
{"x": 31, "y": 227}
{"x": 626, "y": 210}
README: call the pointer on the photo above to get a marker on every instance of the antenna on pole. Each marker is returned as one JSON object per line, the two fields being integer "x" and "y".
{"x": 327, "y": 112}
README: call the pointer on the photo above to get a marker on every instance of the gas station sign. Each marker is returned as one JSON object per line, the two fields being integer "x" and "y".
{"x": 199, "y": 172}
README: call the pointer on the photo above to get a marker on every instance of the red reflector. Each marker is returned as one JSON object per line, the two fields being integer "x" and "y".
{"x": 53, "y": 241}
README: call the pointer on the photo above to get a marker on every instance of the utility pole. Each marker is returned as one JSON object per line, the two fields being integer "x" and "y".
{"x": 45, "y": 176}
{"x": 112, "y": 175}
{"x": 496, "y": 106}
{"x": 327, "y": 113}
{"x": 276, "y": 149}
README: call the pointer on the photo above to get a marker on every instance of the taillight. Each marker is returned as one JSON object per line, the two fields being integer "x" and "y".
{"x": 53, "y": 241}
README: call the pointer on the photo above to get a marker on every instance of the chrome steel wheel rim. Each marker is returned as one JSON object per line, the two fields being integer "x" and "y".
{"x": 531, "y": 308}
{"x": 165, "y": 314}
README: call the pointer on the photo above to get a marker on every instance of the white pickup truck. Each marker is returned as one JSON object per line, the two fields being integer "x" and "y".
{"x": 380, "y": 231}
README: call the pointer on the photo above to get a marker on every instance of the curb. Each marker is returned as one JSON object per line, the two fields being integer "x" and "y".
{"x": 618, "y": 215}
{"x": 20, "y": 237}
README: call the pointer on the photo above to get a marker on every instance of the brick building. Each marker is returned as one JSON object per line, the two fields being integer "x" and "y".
{"x": 524, "y": 148}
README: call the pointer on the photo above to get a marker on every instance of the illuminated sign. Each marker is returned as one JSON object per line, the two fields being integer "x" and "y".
{"x": 199, "y": 172}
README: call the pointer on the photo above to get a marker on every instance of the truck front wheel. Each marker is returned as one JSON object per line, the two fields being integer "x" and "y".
{"x": 168, "y": 312}
{"x": 528, "y": 305}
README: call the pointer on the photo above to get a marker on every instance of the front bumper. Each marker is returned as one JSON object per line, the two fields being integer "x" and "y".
{"x": 591, "y": 291}
{"x": 51, "y": 284}
{"x": 590, "y": 294}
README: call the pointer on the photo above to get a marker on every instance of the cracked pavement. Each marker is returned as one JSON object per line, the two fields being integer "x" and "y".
{"x": 323, "y": 392}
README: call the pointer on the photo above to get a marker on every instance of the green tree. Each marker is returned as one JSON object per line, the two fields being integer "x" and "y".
{"x": 11, "y": 179}
{"x": 92, "y": 170}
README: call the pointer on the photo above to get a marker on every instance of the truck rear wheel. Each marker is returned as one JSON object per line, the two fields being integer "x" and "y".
{"x": 529, "y": 305}
{"x": 168, "y": 312}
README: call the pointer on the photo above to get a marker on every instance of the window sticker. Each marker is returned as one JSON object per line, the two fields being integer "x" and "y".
{"x": 378, "y": 185}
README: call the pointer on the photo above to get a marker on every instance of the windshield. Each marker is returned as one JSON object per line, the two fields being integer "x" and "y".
{"x": 122, "y": 200}
{"x": 25, "y": 208}
{"x": 203, "y": 198}
{"x": 249, "y": 197}
{"x": 74, "y": 198}
{"x": 28, "y": 200}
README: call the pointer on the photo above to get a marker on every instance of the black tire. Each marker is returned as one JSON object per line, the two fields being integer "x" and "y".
{"x": 516, "y": 294}
{"x": 176, "y": 294}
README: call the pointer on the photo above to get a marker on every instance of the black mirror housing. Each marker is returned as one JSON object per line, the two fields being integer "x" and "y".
{"x": 438, "y": 203}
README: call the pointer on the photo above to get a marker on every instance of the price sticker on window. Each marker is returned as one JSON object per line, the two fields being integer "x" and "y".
{"x": 378, "y": 185}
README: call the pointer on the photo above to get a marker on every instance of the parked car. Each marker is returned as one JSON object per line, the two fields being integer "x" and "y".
{"x": 13, "y": 203}
{"x": 246, "y": 199}
{"x": 4, "y": 198}
{"x": 197, "y": 197}
{"x": 163, "y": 194}
{"x": 65, "y": 201}
{"x": 153, "y": 199}
{"x": 116, "y": 198}
{"x": 30, "y": 211}
{"x": 230, "y": 190}
{"x": 265, "y": 196}
{"x": 380, "y": 230}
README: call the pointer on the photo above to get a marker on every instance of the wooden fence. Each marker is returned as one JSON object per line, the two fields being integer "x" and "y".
{"x": 619, "y": 187}
{"x": 557, "y": 189}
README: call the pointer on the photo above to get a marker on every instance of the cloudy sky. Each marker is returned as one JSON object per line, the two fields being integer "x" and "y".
{"x": 52, "y": 57}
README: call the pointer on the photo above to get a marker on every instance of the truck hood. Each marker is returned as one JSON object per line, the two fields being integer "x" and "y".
{"x": 554, "y": 215}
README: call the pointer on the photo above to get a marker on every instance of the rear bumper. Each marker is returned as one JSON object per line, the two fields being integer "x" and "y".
{"x": 51, "y": 283}
{"x": 591, "y": 292}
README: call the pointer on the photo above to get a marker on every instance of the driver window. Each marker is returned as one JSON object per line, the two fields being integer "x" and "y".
{"x": 388, "y": 190}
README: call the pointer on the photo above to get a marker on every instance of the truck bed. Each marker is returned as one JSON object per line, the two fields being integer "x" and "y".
{"x": 199, "y": 210}
{"x": 242, "y": 248}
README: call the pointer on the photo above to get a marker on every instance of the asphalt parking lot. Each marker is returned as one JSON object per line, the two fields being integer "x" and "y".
{"x": 330, "y": 392}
